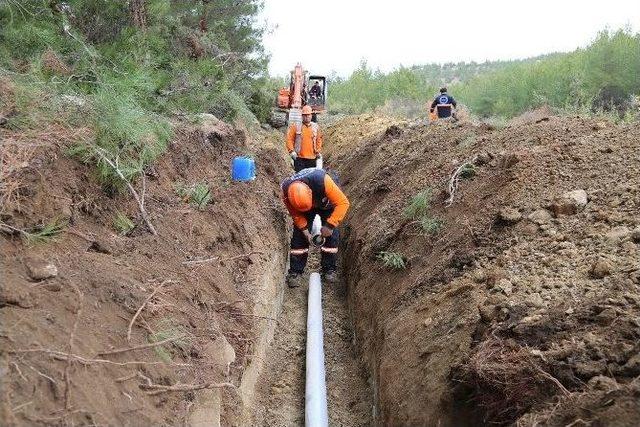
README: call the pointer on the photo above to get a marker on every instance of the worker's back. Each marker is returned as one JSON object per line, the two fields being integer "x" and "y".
{"x": 444, "y": 105}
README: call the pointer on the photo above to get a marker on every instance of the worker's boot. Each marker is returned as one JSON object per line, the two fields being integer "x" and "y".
{"x": 331, "y": 277}
{"x": 294, "y": 280}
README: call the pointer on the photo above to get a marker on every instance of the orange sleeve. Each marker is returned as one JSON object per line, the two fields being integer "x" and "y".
{"x": 337, "y": 199}
{"x": 299, "y": 220}
{"x": 319, "y": 141}
{"x": 291, "y": 138}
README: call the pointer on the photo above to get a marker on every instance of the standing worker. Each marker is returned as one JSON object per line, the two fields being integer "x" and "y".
{"x": 306, "y": 194}
{"x": 443, "y": 105}
{"x": 304, "y": 142}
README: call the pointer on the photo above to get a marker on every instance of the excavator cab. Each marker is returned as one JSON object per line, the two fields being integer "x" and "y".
{"x": 317, "y": 93}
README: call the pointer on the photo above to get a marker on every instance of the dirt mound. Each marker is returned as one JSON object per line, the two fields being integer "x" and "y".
{"x": 530, "y": 117}
{"x": 353, "y": 130}
{"x": 199, "y": 290}
{"x": 515, "y": 295}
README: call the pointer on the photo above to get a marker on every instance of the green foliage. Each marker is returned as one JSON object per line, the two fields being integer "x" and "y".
{"x": 601, "y": 76}
{"x": 419, "y": 205}
{"x": 123, "y": 224}
{"x": 199, "y": 194}
{"x": 418, "y": 211}
{"x": 468, "y": 171}
{"x": 169, "y": 328}
{"x": 394, "y": 260}
{"x": 430, "y": 225}
{"x": 45, "y": 233}
{"x": 191, "y": 57}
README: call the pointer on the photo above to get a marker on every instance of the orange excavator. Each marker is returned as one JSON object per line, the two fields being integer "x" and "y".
{"x": 304, "y": 89}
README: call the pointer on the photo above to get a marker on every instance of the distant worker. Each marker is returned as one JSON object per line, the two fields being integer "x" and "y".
{"x": 304, "y": 141}
{"x": 443, "y": 105}
{"x": 316, "y": 90}
{"x": 305, "y": 194}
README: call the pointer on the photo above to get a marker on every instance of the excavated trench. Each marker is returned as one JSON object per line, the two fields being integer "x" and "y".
{"x": 355, "y": 348}
{"x": 515, "y": 303}
{"x": 280, "y": 391}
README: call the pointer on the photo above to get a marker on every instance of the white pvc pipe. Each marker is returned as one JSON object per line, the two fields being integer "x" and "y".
{"x": 315, "y": 414}
{"x": 316, "y": 225}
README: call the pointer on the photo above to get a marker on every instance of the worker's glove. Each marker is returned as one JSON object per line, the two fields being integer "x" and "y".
{"x": 307, "y": 234}
{"x": 293, "y": 155}
{"x": 326, "y": 231}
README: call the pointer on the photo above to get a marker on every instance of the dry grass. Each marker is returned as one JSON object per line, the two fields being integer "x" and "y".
{"x": 52, "y": 63}
{"x": 19, "y": 149}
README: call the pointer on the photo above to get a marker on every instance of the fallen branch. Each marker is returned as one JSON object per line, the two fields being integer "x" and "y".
{"x": 17, "y": 408}
{"x": 145, "y": 216}
{"x": 135, "y": 316}
{"x": 141, "y": 347}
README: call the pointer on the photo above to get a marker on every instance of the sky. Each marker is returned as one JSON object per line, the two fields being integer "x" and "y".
{"x": 335, "y": 35}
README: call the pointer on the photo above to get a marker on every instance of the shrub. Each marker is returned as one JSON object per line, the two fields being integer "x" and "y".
{"x": 468, "y": 171}
{"x": 430, "y": 225}
{"x": 123, "y": 224}
{"x": 46, "y": 232}
{"x": 199, "y": 194}
{"x": 419, "y": 205}
{"x": 394, "y": 260}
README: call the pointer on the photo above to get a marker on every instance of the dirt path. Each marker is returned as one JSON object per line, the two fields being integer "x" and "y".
{"x": 280, "y": 400}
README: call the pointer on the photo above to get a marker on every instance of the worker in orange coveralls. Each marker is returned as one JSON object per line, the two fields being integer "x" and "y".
{"x": 304, "y": 141}
{"x": 306, "y": 194}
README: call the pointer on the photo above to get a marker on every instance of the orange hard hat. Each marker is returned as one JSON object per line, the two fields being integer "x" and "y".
{"x": 300, "y": 196}
{"x": 307, "y": 110}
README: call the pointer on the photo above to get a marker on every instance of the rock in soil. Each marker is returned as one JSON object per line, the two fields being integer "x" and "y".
{"x": 39, "y": 269}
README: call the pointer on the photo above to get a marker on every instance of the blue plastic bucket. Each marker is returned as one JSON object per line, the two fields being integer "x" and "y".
{"x": 243, "y": 169}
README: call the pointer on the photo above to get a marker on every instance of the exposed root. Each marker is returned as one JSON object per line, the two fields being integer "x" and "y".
{"x": 153, "y": 389}
{"x": 135, "y": 316}
{"x": 60, "y": 355}
{"x": 142, "y": 346}
{"x": 507, "y": 380}
{"x": 454, "y": 181}
{"x": 215, "y": 258}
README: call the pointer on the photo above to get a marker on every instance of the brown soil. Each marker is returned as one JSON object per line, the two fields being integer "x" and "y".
{"x": 522, "y": 308}
{"x": 211, "y": 312}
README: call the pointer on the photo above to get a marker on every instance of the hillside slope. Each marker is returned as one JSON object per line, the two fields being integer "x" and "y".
{"x": 519, "y": 302}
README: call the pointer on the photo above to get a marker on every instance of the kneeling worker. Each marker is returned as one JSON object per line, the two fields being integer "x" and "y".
{"x": 305, "y": 194}
{"x": 304, "y": 142}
